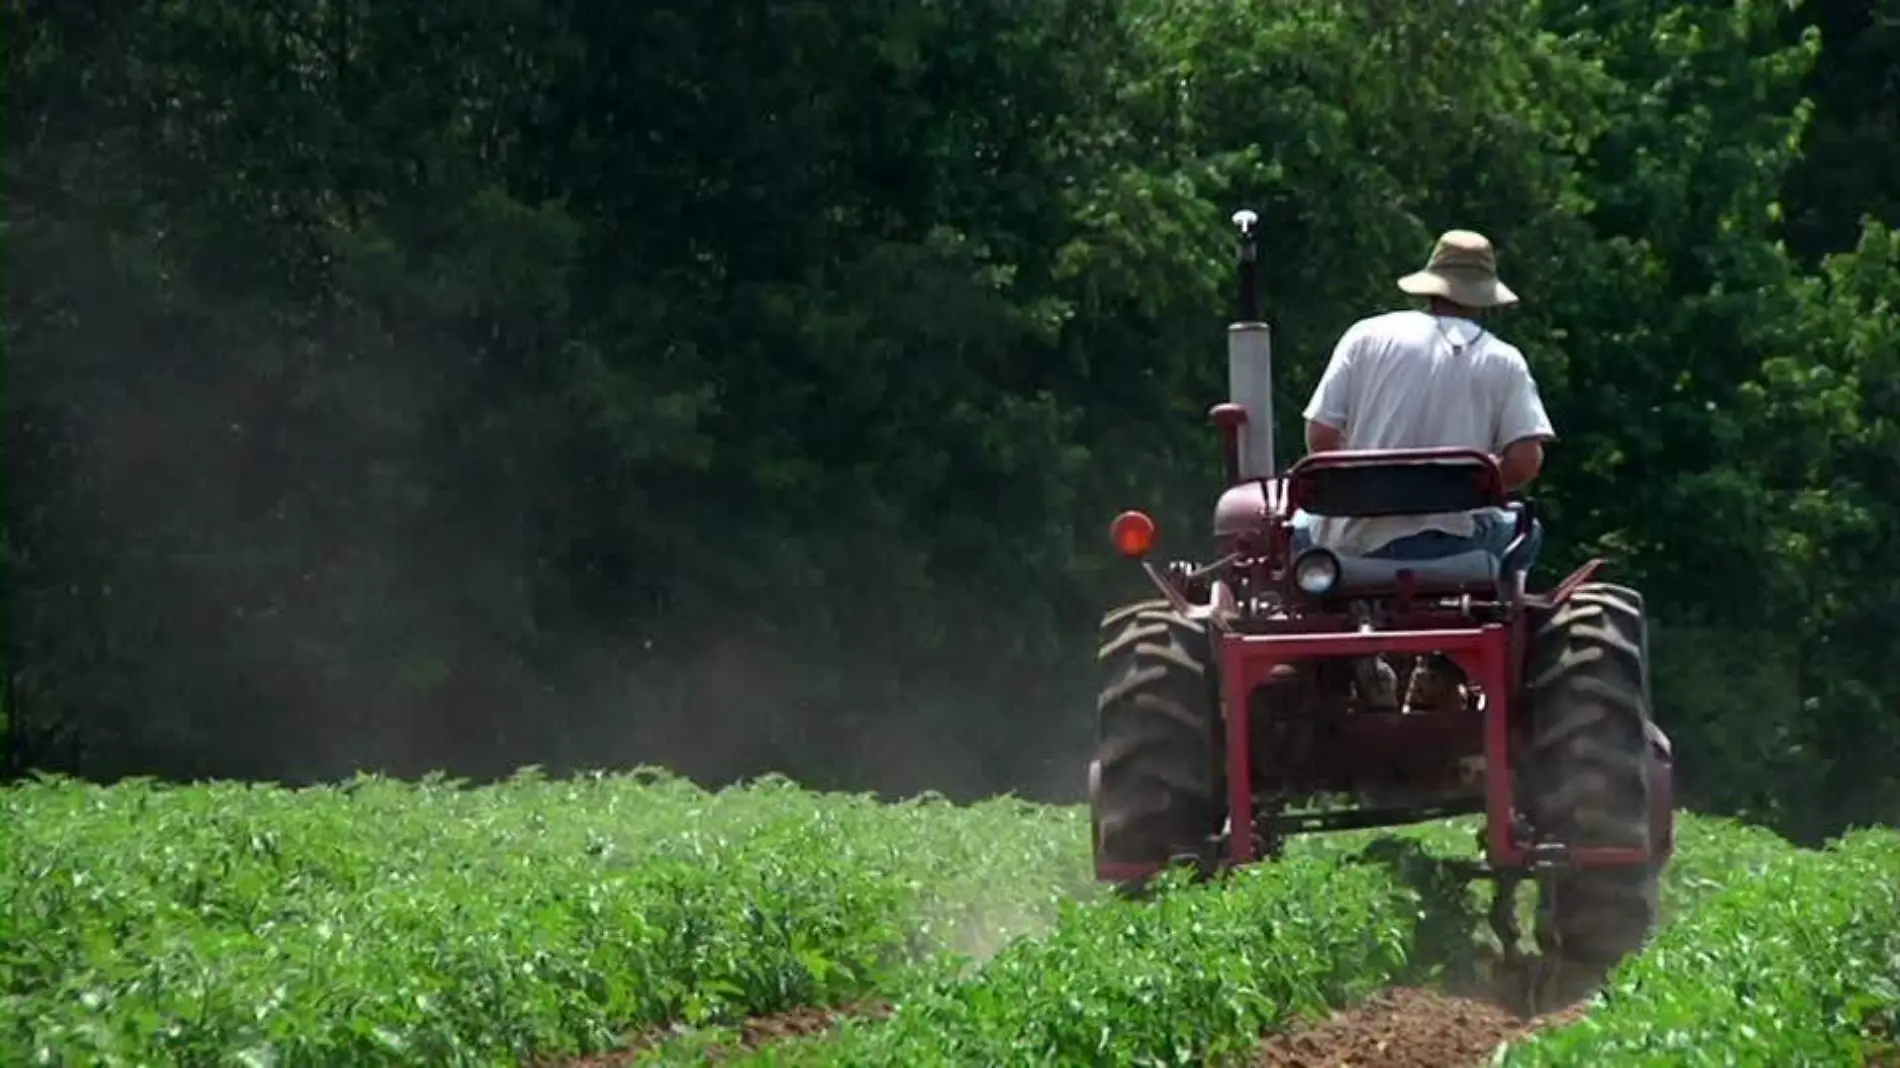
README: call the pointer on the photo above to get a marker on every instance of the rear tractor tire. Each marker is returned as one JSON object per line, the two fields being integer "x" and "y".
{"x": 1158, "y": 782}
{"x": 1587, "y": 783}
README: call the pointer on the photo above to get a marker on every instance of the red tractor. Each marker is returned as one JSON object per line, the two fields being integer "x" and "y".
{"x": 1238, "y": 695}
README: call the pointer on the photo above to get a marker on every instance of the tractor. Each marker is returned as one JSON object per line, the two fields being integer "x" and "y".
{"x": 1234, "y": 705}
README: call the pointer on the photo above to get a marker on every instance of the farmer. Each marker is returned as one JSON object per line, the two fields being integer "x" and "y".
{"x": 1432, "y": 378}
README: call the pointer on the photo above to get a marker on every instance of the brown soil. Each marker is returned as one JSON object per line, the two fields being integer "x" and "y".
{"x": 800, "y": 1023}
{"x": 753, "y": 1033}
{"x": 1402, "y": 1027}
{"x": 1883, "y": 1043}
{"x": 1407, "y": 1028}
{"x": 1399, "y": 1028}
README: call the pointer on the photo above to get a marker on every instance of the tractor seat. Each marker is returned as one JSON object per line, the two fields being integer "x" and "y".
{"x": 1470, "y": 568}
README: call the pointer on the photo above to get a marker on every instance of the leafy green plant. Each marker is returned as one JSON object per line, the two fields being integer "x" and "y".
{"x": 378, "y": 923}
{"x": 1199, "y": 973}
{"x": 1797, "y": 963}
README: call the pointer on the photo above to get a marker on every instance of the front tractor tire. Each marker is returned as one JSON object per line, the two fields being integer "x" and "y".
{"x": 1158, "y": 782}
{"x": 1587, "y": 778}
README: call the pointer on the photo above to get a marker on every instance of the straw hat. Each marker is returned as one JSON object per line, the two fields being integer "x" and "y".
{"x": 1463, "y": 269}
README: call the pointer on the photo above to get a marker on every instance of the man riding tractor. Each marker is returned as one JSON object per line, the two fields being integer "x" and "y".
{"x": 1430, "y": 378}
{"x": 1235, "y": 705}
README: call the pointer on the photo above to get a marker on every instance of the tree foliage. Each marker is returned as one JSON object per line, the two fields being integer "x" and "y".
{"x": 745, "y": 385}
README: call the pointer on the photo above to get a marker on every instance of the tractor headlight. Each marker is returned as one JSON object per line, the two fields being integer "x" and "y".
{"x": 1316, "y": 572}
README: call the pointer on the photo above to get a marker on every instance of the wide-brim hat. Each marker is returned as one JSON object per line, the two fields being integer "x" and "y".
{"x": 1463, "y": 269}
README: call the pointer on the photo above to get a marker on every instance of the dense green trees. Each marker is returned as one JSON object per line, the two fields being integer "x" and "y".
{"x": 747, "y": 384}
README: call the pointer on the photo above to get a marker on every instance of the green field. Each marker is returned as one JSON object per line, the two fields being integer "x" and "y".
{"x": 388, "y": 923}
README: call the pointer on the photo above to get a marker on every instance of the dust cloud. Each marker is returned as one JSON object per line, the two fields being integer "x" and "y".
{"x": 257, "y": 537}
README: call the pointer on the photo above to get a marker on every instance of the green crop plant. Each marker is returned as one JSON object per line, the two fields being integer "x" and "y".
{"x": 1794, "y": 964}
{"x": 383, "y": 923}
{"x": 1200, "y": 975}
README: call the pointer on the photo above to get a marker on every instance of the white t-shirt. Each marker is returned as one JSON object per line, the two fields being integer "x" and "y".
{"x": 1412, "y": 380}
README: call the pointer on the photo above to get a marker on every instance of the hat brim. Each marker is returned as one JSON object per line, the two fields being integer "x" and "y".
{"x": 1471, "y": 292}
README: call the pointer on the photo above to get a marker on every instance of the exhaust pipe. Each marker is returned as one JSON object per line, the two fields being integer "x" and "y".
{"x": 1250, "y": 360}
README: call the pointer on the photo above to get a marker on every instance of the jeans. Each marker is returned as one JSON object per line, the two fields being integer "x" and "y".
{"x": 1495, "y": 529}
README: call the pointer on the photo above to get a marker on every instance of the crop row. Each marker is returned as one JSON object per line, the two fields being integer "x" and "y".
{"x": 1797, "y": 965}
{"x": 382, "y": 923}
{"x": 1194, "y": 976}
{"x": 1202, "y": 973}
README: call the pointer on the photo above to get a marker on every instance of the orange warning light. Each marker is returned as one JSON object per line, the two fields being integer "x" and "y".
{"x": 1133, "y": 534}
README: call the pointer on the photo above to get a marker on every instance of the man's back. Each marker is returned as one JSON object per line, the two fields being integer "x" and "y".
{"x": 1412, "y": 380}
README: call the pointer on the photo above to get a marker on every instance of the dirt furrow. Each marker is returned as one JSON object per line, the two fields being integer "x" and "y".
{"x": 753, "y": 1032}
{"x": 1408, "y": 1027}
{"x": 801, "y": 1024}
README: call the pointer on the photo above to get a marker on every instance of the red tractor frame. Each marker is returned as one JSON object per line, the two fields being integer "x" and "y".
{"x": 1243, "y": 691}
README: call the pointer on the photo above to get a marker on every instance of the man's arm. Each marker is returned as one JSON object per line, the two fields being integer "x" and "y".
{"x": 1523, "y": 427}
{"x": 1328, "y": 413}
{"x": 1521, "y": 461}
